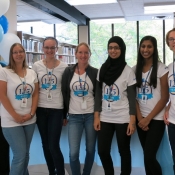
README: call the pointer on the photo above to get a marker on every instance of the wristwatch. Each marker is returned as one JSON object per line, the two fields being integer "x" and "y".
{"x": 31, "y": 115}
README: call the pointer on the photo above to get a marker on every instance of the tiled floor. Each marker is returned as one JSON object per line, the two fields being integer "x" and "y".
{"x": 96, "y": 170}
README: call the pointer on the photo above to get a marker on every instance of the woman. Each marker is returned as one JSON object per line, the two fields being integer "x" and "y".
{"x": 152, "y": 96}
{"x": 4, "y": 147}
{"x": 19, "y": 98}
{"x": 50, "y": 105}
{"x": 78, "y": 86}
{"x": 116, "y": 88}
{"x": 170, "y": 110}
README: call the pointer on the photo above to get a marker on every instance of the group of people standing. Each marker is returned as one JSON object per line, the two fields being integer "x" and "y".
{"x": 114, "y": 99}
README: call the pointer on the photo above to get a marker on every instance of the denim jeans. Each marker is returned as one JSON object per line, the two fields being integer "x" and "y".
{"x": 171, "y": 133}
{"x": 78, "y": 122}
{"x": 49, "y": 122}
{"x": 4, "y": 158}
{"x": 150, "y": 141}
{"x": 105, "y": 136}
{"x": 19, "y": 139}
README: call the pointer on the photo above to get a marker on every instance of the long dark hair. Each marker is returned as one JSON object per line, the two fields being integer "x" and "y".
{"x": 140, "y": 63}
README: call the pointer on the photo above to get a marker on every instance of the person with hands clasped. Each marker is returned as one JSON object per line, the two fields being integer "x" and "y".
{"x": 49, "y": 113}
{"x": 152, "y": 96}
{"x": 115, "y": 106}
{"x": 19, "y": 98}
{"x": 169, "y": 116}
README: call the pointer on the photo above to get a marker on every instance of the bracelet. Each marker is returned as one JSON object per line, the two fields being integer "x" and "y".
{"x": 31, "y": 115}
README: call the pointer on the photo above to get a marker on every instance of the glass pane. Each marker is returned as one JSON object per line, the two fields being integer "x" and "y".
{"x": 155, "y": 29}
{"x": 39, "y": 28}
{"x": 127, "y": 31}
{"x": 168, "y": 52}
{"x": 67, "y": 33}
{"x": 99, "y": 36}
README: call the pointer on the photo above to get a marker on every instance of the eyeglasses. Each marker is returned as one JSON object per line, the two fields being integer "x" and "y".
{"x": 51, "y": 48}
{"x": 115, "y": 48}
{"x": 171, "y": 39}
{"x": 20, "y": 52}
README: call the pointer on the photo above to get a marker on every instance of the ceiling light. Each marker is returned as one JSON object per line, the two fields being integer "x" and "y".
{"x": 108, "y": 20}
{"x": 152, "y": 9}
{"x": 88, "y": 2}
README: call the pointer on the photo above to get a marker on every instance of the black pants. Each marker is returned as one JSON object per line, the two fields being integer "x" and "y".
{"x": 150, "y": 141}
{"x": 105, "y": 136}
{"x": 4, "y": 154}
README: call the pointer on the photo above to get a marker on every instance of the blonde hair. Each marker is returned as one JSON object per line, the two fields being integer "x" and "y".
{"x": 83, "y": 44}
{"x": 12, "y": 64}
{"x": 167, "y": 35}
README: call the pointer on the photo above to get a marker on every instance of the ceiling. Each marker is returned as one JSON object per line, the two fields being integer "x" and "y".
{"x": 59, "y": 11}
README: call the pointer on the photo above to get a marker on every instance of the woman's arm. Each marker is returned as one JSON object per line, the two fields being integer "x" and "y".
{"x": 131, "y": 94}
{"x": 160, "y": 104}
{"x": 98, "y": 105}
{"x": 7, "y": 104}
{"x": 34, "y": 103}
{"x": 166, "y": 115}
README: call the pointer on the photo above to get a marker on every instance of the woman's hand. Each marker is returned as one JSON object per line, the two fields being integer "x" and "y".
{"x": 97, "y": 121}
{"x": 165, "y": 117}
{"x": 132, "y": 125}
{"x": 19, "y": 119}
{"x": 27, "y": 117}
{"x": 143, "y": 123}
{"x": 65, "y": 121}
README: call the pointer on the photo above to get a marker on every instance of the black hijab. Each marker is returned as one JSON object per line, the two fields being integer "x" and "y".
{"x": 113, "y": 68}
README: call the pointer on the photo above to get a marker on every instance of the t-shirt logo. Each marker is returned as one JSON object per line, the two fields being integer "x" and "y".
{"x": 145, "y": 89}
{"x": 46, "y": 83}
{"x": 171, "y": 85}
{"x": 111, "y": 93}
{"x": 20, "y": 93}
{"x": 80, "y": 88}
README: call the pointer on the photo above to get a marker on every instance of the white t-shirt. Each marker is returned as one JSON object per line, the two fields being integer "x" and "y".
{"x": 43, "y": 78}
{"x": 15, "y": 95}
{"x": 171, "y": 84}
{"x": 81, "y": 89}
{"x": 116, "y": 97}
{"x": 152, "y": 94}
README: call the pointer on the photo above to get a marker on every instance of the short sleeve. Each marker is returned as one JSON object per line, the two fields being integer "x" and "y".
{"x": 3, "y": 74}
{"x": 162, "y": 69}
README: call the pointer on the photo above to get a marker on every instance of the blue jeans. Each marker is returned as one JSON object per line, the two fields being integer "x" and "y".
{"x": 19, "y": 139}
{"x": 78, "y": 122}
{"x": 171, "y": 133}
{"x": 49, "y": 122}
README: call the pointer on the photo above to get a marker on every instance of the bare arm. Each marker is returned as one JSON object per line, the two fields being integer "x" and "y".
{"x": 34, "y": 103}
{"x": 97, "y": 121}
{"x": 160, "y": 104}
{"x": 7, "y": 104}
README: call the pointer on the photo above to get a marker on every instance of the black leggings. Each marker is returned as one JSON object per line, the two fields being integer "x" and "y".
{"x": 105, "y": 136}
{"x": 150, "y": 141}
{"x": 4, "y": 158}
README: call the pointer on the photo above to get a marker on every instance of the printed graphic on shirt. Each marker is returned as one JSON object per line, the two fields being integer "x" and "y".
{"x": 80, "y": 88}
{"x": 172, "y": 84}
{"x": 145, "y": 90}
{"x": 23, "y": 91}
{"x": 49, "y": 81}
{"x": 111, "y": 93}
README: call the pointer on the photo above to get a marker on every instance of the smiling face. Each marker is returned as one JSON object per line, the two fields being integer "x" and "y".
{"x": 50, "y": 48}
{"x": 114, "y": 50}
{"x": 18, "y": 54}
{"x": 171, "y": 41}
{"x": 83, "y": 54}
{"x": 147, "y": 49}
